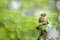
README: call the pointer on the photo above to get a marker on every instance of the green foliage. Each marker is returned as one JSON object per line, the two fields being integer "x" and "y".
{"x": 15, "y": 26}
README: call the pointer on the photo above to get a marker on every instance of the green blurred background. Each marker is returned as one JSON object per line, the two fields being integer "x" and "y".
{"x": 18, "y": 18}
